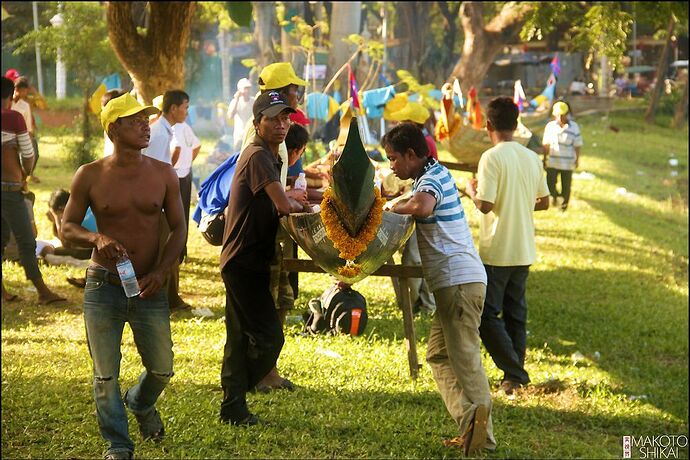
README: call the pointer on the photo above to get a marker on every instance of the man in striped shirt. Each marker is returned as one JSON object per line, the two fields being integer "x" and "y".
{"x": 18, "y": 158}
{"x": 455, "y": 274}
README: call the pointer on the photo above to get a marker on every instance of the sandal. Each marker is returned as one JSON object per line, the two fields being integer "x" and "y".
{"x": 150, "y": 424}
{"x": 475, "y": 436}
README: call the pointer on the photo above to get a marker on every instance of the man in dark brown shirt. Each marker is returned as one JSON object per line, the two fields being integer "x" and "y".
{"x": 257, "y": 200}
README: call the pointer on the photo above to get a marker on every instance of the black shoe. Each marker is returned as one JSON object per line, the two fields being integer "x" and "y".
{"x": 509, "y": 386}
{"x": 249, "y": 420}
{"x": 564, "y": 206}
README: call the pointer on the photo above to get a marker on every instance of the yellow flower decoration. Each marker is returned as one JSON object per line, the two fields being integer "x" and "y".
{"x": 348, "y": 247}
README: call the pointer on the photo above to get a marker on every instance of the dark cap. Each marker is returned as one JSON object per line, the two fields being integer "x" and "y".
{"x": 270, "y": 104}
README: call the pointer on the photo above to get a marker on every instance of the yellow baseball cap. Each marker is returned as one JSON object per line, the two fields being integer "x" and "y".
{"x": 123, "y": 106}
{"x": 560, "y": 108}
{"x": 279, "y": 75}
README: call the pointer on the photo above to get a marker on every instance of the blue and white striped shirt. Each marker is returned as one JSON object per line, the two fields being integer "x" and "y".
{"x": 448, "y": 254}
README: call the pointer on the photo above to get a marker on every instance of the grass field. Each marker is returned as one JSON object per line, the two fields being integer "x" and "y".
{"x": 607, "y": 344}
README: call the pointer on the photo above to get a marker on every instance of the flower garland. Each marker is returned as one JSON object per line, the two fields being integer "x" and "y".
{"x": 348, "y": 247}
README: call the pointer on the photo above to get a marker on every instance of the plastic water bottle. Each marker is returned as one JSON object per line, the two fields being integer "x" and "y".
{"x": 301, "y": 182}
{"x": 128, "y": 277}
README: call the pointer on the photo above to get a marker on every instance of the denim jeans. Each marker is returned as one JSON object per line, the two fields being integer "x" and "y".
{"x": 16, "y": 219}
{"x": 106, "y": 310}
{"x": 505, "y": 337}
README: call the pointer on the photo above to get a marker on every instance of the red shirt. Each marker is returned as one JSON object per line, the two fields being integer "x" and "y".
{"x": 431, "y": 143}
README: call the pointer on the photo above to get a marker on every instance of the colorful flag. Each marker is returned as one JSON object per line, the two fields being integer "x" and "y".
{"x": 354, "y": 89}
{"x": 474, "y": 109}
{"x": 555, "y": 65}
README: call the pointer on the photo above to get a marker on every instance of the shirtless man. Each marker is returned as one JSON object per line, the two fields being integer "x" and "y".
{"x": 18, "y": 158}
{"x": 127, "y": 192}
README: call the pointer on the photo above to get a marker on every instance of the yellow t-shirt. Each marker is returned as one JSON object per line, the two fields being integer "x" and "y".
{"x": 511, "y": 177}
{"x": 282, "y": 150}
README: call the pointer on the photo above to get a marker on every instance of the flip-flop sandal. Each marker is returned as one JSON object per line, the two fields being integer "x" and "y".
{"x": 151, "y": 426}
{"x": 475, "y": 437}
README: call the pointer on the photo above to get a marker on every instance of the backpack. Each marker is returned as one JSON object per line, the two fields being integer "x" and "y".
{"x": 337, "y": 311}
{"x": 212, "y": 228}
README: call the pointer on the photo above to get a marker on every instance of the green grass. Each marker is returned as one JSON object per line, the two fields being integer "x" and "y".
{"x": 611, "y": 281}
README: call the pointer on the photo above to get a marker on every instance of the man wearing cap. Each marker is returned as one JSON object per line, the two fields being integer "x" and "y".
{"x": 240, "y": 111}
{"x": 280, "y": 77}
{"x": 510, "y": 185}
{"x": 562, "y": 142}
{"x": 127, "y": 192}
{"x": 257, "y": 200}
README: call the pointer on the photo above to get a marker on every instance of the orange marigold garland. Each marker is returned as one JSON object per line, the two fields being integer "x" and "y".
{"x": 348, "y": 247}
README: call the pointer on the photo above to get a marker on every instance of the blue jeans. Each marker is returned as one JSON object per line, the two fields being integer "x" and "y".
{"x": 505, "y": 337}
{"x": 16, "y": 219}
{"x": 106, "y": 310}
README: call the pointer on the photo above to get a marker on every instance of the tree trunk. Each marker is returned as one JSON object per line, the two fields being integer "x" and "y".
{"x": 450, "y": 35}
{"x": 345, "y": 20}
{"x": 483, "y": 42}
{"x": 661, "y": 68}
{"x": 154, "y": 60}
{"x": 682, "y": 106}
{"x": 86, "y": 121}
{"x": 413, "y": 29}
{"x": 287, "y": 40}
{"x": 265, "y": 29}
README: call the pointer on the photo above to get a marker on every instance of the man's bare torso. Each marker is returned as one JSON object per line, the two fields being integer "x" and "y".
{"x": 127, "y": 202}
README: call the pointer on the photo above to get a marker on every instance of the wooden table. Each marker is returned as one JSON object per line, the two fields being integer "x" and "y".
{"x": 403, "y": 272}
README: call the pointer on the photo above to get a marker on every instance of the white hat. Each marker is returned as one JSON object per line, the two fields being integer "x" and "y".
{"x": 243, "y": 83}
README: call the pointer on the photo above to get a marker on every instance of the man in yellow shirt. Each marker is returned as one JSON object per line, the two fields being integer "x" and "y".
{"x": 510, "y": 185}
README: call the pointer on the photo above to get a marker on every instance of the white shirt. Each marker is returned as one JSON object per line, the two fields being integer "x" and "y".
{"x": 562, "y": 141}
{"x": 186, "y": 140}
{"x": 159, "y": 144}
{"x": 242, "y": 116}
{"x": 24, "y": 108}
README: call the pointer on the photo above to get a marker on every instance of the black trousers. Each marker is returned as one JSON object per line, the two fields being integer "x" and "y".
{"x": 566, "y": 180}
{"x": 186, "y": 194}
{"x": 505, "y": 337}
{"x": 254, "y": 338}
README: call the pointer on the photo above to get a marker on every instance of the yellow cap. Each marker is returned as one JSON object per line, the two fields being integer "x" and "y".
{"x": 123, "y": 106}
{"x": 279, "y": 75}
{"x": 157, "y": 102}
{"x": 413, "y": 111}
{"x": 560, "y": 108}
{"x": 393, "y": 106}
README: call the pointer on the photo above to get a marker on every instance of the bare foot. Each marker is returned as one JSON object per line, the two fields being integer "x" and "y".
{"x": 51, "y": 298}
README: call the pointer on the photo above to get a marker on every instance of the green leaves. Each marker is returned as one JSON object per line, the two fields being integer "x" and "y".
{"x": 240, "y": 13}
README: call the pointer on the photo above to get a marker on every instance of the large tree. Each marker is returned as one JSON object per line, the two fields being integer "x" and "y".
{"x": 154, "y": 55}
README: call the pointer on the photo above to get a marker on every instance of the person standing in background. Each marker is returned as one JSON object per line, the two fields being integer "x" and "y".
{"x": 562, "y": 142}
{"x": 21, "y": 105}
{"x": 240, "y": 112}
{"x": 175, "y": 107}
{"x": 185, "y": 147}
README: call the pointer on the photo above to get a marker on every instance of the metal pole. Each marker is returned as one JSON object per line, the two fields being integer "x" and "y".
{"x": 39, "y": 70}
{"x": 384, "y": 32}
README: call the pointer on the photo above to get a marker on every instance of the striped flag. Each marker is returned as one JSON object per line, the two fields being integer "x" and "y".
{"x": 354, "y": 89}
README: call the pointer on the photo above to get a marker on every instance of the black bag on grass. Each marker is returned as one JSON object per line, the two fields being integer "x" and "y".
{"x": 340, "y": 310}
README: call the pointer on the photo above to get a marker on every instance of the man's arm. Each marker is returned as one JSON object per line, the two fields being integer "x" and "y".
{"x": 175, "y": 155}
{"x": 195, "y": 152}
{"x": 277, "y": 194}
{"x": 75, "y": 210}
{"x": 174, "y": 214}
{"x": 577, "y": 157}
{"x": 484, "y": 207}
{"x": 421, "y": 205}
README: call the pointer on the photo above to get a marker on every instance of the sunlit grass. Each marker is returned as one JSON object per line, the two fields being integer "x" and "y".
{"x": 607, "y": 343}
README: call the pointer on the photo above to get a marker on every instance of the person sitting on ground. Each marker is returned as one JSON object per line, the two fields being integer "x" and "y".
{"x": 17, "y": 161}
